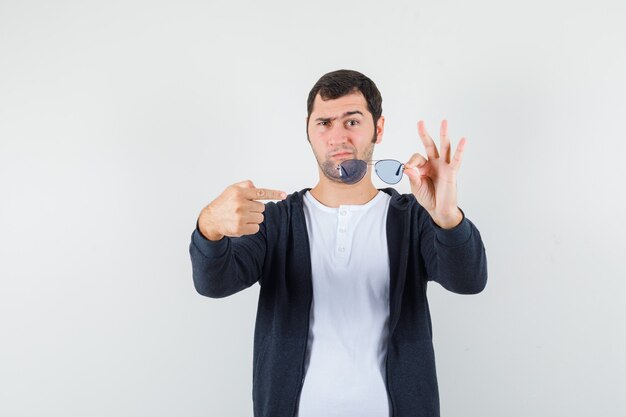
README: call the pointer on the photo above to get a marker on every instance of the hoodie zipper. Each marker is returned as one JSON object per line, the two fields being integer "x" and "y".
{"x": 391, "y": 411}
{"x": 308, "y": 317}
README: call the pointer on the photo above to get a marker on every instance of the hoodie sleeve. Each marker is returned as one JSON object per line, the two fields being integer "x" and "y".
{"x": 227, "y": 266}
{"x": 455, "y": 258}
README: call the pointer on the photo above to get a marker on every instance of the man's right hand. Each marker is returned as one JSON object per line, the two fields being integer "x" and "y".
{"x": 236, "y": 212}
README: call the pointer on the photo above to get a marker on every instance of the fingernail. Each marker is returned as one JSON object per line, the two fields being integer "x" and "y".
{"x": 283, "y": 195}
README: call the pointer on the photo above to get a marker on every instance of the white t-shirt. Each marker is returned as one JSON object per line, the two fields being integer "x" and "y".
{"x": 347, "y": 345}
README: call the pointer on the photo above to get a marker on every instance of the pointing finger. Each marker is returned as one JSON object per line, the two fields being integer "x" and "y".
{"x": 264, "y": 194}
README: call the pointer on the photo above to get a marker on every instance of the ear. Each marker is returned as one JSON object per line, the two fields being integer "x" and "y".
{"x": 380, "y": 128}
{"x": 306, "y": 126}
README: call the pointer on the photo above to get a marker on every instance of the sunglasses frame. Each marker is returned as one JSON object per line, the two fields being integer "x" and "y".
{"x": 375, "y": 162}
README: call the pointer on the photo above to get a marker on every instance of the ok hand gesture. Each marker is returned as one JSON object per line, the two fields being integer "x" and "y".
{"x": 434, "y": 182}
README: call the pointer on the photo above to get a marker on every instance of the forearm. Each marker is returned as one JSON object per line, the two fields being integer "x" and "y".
{"x": 461, "y": 259}
{"x": 224, "y": 267}
{"x": 455, "y": 258}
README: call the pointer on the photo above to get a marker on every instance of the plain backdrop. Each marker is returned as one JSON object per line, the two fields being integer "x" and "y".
{"x": 120, "y": 120}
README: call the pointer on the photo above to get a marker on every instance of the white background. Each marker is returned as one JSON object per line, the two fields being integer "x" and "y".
{"x": 120, "y": 120}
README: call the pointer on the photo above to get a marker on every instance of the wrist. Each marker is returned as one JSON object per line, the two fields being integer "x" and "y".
{"x": 205, "y": 228}
{"x": 448, "y": 221}
{"x": 211, "y": 236}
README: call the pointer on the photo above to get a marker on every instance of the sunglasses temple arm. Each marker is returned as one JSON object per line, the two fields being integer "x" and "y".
{"x": 341, "y": 170}
{"x": 399, "y": 168}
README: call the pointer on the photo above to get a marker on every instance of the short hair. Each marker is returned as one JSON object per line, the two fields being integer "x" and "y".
{"x": 342, "y": 82}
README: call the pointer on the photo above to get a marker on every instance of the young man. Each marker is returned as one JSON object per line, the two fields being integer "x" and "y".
{"x": 343, "y": 326}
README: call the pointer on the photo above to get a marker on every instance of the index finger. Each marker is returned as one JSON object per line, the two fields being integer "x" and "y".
{"x": 263, "y": 194}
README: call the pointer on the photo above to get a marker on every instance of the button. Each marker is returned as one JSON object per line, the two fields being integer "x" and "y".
{"x": 343, "y": 212}
{"x": 341, "y": 249}
{"x": 342, "y": 230}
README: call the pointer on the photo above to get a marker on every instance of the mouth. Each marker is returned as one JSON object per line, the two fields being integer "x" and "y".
{"x": 341, "y": 155}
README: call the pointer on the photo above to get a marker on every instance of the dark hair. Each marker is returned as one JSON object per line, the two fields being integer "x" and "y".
{"x": 342, "y": 82}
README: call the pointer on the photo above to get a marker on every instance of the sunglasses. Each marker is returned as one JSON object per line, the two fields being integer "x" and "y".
{"x": 352, "y": 171}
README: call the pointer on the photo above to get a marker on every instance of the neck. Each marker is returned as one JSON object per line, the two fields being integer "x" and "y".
{"x": 334, "y": 194}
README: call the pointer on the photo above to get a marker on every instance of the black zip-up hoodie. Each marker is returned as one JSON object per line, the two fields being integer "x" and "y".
{"x": 278, "y": 258}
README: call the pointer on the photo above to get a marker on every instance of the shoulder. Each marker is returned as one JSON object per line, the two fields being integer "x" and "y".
{"x": 405, "y": 208}
{"x": 282, "y": 209}
{"x": 283, "y": 218}
{"x": 292, "y": 200}
{"x": 401, "y": 201}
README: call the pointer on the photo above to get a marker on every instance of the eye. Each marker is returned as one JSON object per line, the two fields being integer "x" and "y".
{"x": 353, "y": 122}
{"x": 323, "y": 123}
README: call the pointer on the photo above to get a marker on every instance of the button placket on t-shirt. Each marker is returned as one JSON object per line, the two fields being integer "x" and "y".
{"x": 343, "y": 243}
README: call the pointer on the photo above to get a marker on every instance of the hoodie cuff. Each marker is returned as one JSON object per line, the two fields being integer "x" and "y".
{"x": 209, "y": 248}
{"x": 456, "y": 236}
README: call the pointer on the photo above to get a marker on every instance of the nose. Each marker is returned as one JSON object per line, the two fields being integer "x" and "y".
{"x": 338, "y": 135}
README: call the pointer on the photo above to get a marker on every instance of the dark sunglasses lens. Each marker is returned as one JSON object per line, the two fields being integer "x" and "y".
{"x": 352, "y": 170}
{"x": 389, "y": 170}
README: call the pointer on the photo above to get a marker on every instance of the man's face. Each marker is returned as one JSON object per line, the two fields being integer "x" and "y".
{"x": 342, "y": 129}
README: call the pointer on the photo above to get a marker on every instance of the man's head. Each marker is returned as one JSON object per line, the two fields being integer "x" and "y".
{"x": 344, "y": 119}
{"x": 342, "y": 82}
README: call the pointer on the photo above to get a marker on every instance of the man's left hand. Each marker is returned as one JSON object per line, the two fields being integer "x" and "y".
{"x": 433, "y": 180}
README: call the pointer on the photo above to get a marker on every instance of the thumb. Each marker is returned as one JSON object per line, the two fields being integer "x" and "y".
{"x": 245, "y": 184}
{"x": 414, "y": 176}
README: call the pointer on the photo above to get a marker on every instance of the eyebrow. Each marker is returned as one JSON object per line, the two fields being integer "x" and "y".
{"x": 328, "y": 119}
